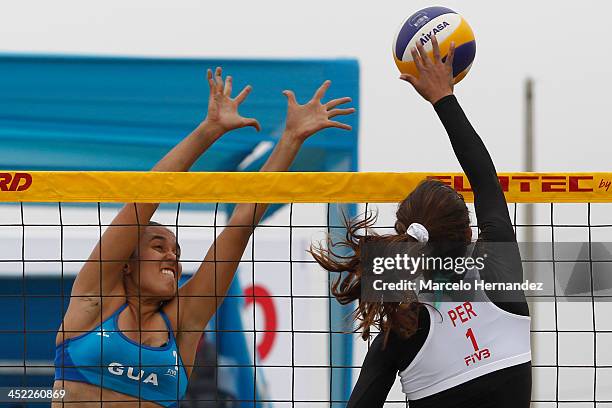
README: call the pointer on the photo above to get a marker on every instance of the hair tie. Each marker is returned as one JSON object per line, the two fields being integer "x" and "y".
{"x": 418, "y": 232}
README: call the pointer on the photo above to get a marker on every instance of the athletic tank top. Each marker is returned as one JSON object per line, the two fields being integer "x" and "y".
{"x": 466, "y": 340}
{"x": 107, "y": 358}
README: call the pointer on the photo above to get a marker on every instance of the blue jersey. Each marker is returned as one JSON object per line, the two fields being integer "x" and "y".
{"x": 109, "y": 359}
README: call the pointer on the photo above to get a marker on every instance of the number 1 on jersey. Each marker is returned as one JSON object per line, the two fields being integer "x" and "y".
{"x": 479, "y": 354}
{"x": 470, "y": 335}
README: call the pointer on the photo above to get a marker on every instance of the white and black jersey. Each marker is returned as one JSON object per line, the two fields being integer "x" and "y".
{"x": 466, "y": 340}
{"x": 463, "y": 354}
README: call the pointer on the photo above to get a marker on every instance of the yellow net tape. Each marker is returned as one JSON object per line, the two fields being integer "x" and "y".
{"x": 232, "y": 187}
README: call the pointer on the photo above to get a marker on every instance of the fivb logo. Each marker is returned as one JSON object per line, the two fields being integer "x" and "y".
{"x": 119, "y": 369}
{"x": 15, "y": 181}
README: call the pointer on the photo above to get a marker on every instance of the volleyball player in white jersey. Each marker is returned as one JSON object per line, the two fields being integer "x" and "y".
{"x": 455, "y": 353}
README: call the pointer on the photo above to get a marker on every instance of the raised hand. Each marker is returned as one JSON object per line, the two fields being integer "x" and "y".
{"x": 435, "y": 79}
{"x": 305, "y": 120}
{"x": 222, "y": 108}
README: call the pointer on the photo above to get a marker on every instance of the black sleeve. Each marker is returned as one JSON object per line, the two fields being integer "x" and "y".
{"x": 376, "y": 377}
{"x": 491, "y": 207}
{"x": 496, "y": 238}
{"x": 382, "y": 364}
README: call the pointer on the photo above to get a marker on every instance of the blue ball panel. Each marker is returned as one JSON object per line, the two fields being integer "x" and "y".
{"x": 414, "y": 24}
{"x": 464, "y": 56}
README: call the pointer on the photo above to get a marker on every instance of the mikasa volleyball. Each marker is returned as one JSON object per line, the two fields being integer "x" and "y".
{"x": 447, "y": 26}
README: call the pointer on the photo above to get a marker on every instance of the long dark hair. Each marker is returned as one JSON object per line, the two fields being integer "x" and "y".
{"x": 433, "y": 204}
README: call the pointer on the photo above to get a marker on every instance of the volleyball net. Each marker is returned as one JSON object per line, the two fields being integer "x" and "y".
{"x": 279, "y": 338}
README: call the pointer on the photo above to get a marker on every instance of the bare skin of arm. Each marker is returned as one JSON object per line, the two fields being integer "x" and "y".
{"x": 201, "y": 296}
{"x": 100, "y": 280}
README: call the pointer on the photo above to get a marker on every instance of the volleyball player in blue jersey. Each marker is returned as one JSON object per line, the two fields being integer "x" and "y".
{"x": 471, "y": 351}
{"x": 129, "y": 335}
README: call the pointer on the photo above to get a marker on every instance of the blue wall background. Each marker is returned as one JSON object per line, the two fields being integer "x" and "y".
{"x": 90, "y": 113}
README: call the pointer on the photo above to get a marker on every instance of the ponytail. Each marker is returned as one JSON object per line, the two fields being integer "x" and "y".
{"x": 444, "y": 216}
{"x": 401, "y": 318}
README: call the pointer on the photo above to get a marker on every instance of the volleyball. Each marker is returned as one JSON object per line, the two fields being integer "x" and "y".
{"x": 447, "y": 26}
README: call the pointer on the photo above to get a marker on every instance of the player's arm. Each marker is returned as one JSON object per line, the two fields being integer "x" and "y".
{"x": 503, "y": 263}
{"x": 435, "y": 84}
{"x": 376, "y": 377}
{"x": 102, "y": 273}
{"x": 201, "y": 295}
{"x": 497, "y": 242}
{"x": 384, "y": 361}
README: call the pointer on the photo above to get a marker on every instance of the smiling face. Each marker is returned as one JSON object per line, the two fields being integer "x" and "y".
{"x": 155, "y": 266}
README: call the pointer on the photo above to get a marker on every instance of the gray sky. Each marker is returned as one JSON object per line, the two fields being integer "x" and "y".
{"x": 562, "y": 45}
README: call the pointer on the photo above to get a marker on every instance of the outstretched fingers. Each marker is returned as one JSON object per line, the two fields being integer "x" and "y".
{"x": 331, "y": 112}
{"x": 451, "y": 55}
{"x": 321, "y": 91}
{"x": 436, "y": 49}
{"x": 227, "y": 91}
{"x": 425, "y": 61}
{"x": 218, "y": 80}
{"x": 340, "y": 101}
{"x": 243, "y": 94}
{"x": 251, "y": 122}
{"x": 417, "y": 59}
{"x": 409, "y": 78}
{"x": 211, "y": 82}
{"x": 335, "y": 112}
{"x": 339, "y": 125}
{"x": 291, "y": 100}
